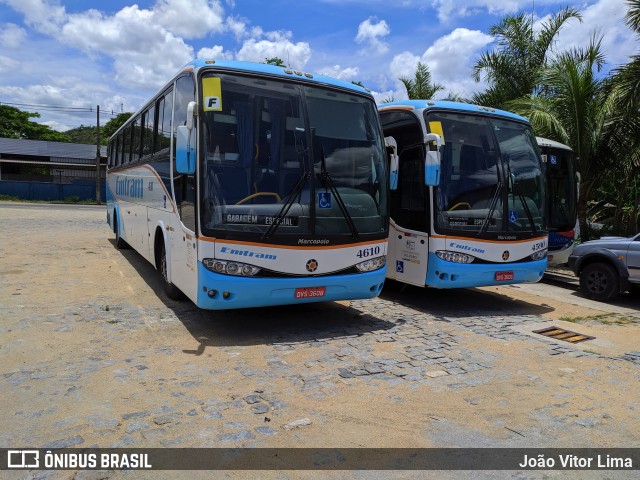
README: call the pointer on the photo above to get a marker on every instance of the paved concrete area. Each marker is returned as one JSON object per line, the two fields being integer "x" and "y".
{"x": 93, "y": 354}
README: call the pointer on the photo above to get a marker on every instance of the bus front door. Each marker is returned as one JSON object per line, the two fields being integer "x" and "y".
{"x": 409, "y": 254}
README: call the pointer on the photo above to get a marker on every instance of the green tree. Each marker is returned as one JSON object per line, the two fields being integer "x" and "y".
{"x": 420, "y": 86}
{"x": 512, "y": 68}
{"x": 112, "y": 125}
{"x": 622, "y": 185}
{"x": 278, "y": 62}
{"x": 574, "y": 109}
{"x": 14, "y": 123}
{"x": 82, "y": 134}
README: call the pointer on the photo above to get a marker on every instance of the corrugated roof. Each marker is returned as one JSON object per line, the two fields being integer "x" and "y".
{"x": 41, "y": 148}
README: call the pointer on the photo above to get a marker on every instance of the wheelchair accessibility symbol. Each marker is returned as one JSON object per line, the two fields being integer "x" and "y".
{"x": 324, "y": 200}
{"x": 399, "y": 266}
{"x": 513, "y": 216}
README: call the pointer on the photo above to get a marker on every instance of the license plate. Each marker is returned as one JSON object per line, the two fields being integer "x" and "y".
{"x": 503, "y": 276}
{"x": 310, "y": 292}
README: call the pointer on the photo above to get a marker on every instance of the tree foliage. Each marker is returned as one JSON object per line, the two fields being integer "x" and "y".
{"x": 275, "y": 61}
{"x": 420, "y": 86}
{"x": 82, "y": 134}
{"x": 112, "y": 125}
{"x": 15, "y": 123}
{"x": 512, "y": 69}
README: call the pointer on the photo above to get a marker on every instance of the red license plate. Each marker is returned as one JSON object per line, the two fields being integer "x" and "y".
{"x": 503, "y": 276}
{"x": 310, "y": 292}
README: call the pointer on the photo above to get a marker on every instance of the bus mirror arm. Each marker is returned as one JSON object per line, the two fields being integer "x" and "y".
{"x": 192, "y": 110}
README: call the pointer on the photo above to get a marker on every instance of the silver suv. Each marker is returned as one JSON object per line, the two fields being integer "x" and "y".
{"x": 608, "y": 266}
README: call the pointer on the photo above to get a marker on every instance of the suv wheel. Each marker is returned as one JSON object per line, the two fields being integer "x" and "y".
{"x": 599, "y": 281}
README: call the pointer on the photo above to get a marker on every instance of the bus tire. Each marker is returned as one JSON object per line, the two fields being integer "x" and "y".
{"x": 170, "y": 289}
{"x": 120, "y": 243}
{"x": 599, "y": 281}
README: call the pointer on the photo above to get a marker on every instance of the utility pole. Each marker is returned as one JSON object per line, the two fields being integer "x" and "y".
{"x": 98, "y": 200}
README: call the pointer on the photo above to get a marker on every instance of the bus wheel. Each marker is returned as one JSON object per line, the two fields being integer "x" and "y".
{"x": 120, "y": 243}
{"x": 170, "y": 289}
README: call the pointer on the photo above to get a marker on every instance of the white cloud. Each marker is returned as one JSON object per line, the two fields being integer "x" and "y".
{"x": 43, "y": 15}
{"x": 189, "y": 18}
{"x": 237, "y": 26}
{"x": 452, "y": 57}
{"x": 372, "y": 34}
{"x": 451, "y": 9}
{"x": 404, "y": 65}
{"x": 11, "y": 36}
{"x": 144, "y": 52}
{"x": 348, "y": 74}
{"x": 606, "y": 17}
{"x": 450, "y": 60}
{"x": 216, "y": 52}
{"x": 277, "y": 44}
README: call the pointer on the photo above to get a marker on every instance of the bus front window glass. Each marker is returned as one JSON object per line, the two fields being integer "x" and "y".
{"x": 264, "y": 143}
{"x": 562, "y": 190}
{"x": 490, "y": 177}
{"x": 523, "y": 176}
{"x": 254, "y": 155}
{"x": 348, "y": 163}
{"x": 469, "y": 174}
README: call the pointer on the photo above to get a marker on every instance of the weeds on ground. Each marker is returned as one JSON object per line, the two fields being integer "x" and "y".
{"x": 605, "y": 319}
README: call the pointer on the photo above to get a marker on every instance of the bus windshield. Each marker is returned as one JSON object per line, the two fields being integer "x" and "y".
{"x": 491, "y": 177}
{"x": 562, "y": 189}
{"x": 282, "y": 158}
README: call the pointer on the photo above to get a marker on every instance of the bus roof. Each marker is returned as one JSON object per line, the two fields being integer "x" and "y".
{"x": 545, "y": 142}
{"x": 450, "y": 105}
{"x": 269, "y": 69}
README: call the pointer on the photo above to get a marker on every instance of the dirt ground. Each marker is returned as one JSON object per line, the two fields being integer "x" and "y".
{"x": 94, "y": 354}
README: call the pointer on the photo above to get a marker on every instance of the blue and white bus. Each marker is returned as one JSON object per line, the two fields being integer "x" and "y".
{"x": 562, "y": 199}
{"x": 467, "y": 201}
{"x": 250, "y": 185}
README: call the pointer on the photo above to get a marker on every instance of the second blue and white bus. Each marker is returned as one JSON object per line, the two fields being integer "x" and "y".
{"x": 251, "y": 185}
{"x": 562, "y": 199}
{"x": 467, "y": 200}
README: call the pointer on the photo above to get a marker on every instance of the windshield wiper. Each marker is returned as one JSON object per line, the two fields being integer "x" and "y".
{"x": 326, "y": 180}
{"x": 286, "y": 206}
{"x": 516, "y": 191}
{"x": 492, "y": 208}
{"x": 527, "y": 211}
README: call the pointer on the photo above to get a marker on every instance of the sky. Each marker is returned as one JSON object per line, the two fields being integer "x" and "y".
{"x": 62, "y": 58}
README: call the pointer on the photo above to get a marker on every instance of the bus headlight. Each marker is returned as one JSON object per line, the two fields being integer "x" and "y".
{"x": 230, "y": 268}
{"x": 454, "y": 257}
{"x": 539, "y": 255}
{"x": 371, "y": 264}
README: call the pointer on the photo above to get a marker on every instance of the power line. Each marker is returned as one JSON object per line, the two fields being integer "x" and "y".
{"x": 60, "y": 108}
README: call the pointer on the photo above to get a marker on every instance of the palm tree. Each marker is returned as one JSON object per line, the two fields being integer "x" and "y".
{"x": 511, "y": 69}
{"x": 420, "y": 86}
{"x": 575, "y": 109}
{"x": 624, "y": 87}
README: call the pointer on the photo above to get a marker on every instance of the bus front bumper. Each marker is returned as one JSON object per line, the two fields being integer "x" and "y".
{"x": 223, "y": 292}
{"x": 443, "y": 274}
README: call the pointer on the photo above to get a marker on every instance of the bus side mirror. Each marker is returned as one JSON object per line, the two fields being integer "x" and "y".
{"x": 185, "y": 149}
{"x": 392, "y": 152}
{"x": 432, "y": 161}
